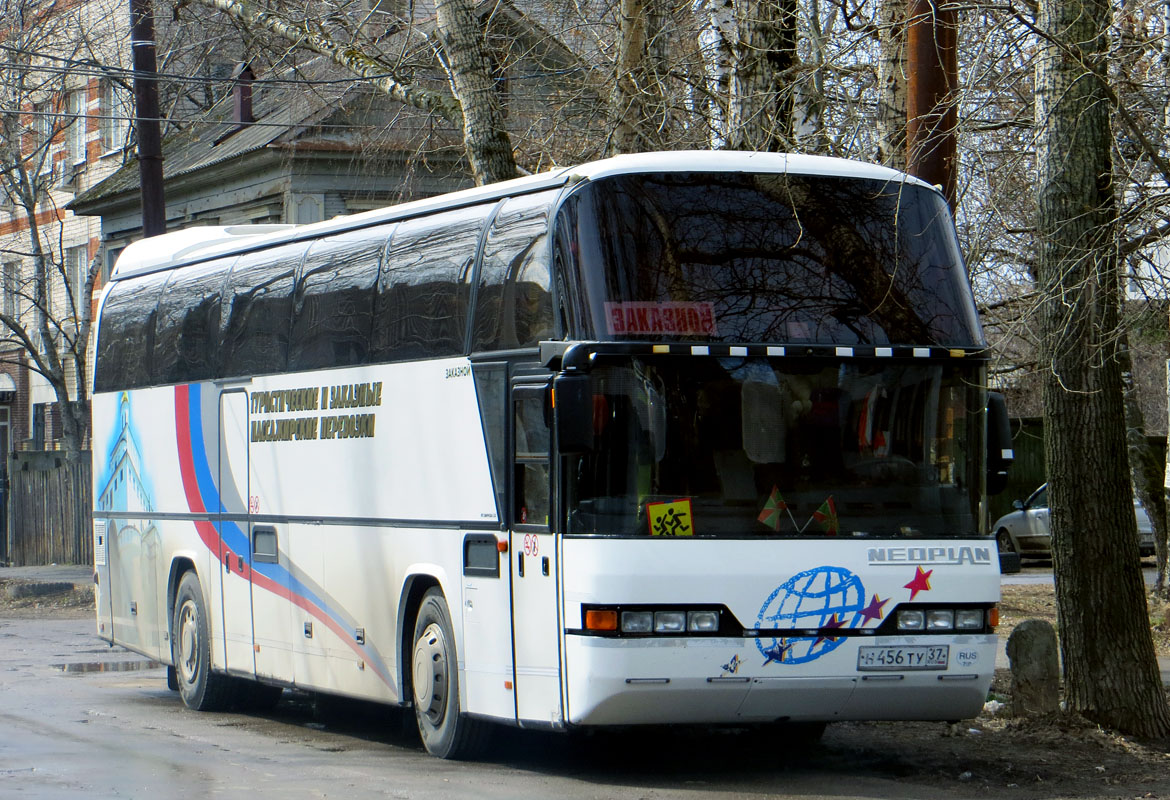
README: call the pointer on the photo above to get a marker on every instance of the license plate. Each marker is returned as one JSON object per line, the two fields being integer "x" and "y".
{"x": 915, "y": 656}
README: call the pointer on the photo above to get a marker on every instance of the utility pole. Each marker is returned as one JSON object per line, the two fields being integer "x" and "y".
{"x": 146, "y": 118}
{"x": 932, "y": 66}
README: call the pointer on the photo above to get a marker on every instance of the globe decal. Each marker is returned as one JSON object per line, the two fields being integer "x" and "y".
{"x": 822, "y": 597}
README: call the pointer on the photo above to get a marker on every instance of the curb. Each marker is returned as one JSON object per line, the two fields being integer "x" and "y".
{"x": 20, "y": 590}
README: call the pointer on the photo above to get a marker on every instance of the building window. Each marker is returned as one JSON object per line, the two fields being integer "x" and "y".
{"x": 42, "y": 129}
{"x": 42, "y": 123}
{"x": 39, "y": 425}
{"x": 76, "y": 268}
{"x": 11, "y": 288}
{"x": 108, "y": 264}
{"x": 75, "y": 132}
{"x": 113, "y": 117}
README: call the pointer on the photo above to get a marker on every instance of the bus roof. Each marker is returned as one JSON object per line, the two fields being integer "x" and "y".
{"x": 192, "y": 245}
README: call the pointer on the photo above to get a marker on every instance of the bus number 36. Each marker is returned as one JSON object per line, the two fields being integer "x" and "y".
{"x": 253, "y": 504}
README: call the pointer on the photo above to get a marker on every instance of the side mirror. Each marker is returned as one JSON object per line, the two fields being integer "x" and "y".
{"x": 1018, "y": 505}
{"x": 999, "y": 443}
{"x": 573, "y": 413}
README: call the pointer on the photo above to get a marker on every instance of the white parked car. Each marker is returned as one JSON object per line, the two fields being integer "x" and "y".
{"x": 1026, "y": 530}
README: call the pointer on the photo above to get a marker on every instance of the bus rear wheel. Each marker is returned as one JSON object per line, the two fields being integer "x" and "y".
{"x": 446, "y": 732}
{"x": 200, "y": 688}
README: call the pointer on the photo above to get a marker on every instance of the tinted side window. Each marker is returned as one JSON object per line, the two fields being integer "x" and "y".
{"x": 422, "y": 300}
{"x": 186, "y": 339}
{"x": 491, "y": 391}
{"x": 335, "y": 300}
{"x": 257, "y": 311}
{"x": 126, "y": 333}
{"x": 513, "y": 305}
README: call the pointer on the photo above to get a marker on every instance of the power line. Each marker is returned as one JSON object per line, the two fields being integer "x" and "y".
{"x": 185, "y": 121}
{"x": 87, "y": 69}
{"x": 90, "y": 68}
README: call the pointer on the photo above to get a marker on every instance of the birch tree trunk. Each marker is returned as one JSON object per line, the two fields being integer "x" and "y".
{"x": 717, "y": 36}
{"x": 760, "y": 97}
{"x": 1110, "y": 671}
{"x": 891, "y": 104}
{"x": 485, "y": 137}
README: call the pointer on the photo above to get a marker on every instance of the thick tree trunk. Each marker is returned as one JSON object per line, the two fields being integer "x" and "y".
{"x": 717, "y": 37}
{"x": 485, "y": 138}
{"x": 639, "y": 106}
{"x": 1111, "y": 674}
{"x": 760, "y": 98}
{"x": 891, "y": 104}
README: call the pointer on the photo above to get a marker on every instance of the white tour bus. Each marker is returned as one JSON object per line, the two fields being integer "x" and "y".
{"x": 665, "y": 438}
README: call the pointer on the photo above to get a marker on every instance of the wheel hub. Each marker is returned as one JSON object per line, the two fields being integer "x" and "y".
{"x": 188, "y": 644}
{"x": 430, "y": 673}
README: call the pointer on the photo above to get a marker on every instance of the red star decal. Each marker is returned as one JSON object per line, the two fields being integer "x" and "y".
{"x": 872, "y": 611}
{"x": 921, "y": 582}
{"x": 832, "y": 623}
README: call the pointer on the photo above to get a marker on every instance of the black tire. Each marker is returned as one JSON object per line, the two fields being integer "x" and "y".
{"x": 446, "y": 731}
{"x": 1003, "y": 540}
{"x": 200, "y": 688}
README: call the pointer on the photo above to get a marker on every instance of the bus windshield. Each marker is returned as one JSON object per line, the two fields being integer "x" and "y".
{"x": 757, "y": 447}
{"x": 735, "y": 257}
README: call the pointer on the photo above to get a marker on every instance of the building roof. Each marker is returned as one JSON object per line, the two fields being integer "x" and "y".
{"x": 283, "y": 112}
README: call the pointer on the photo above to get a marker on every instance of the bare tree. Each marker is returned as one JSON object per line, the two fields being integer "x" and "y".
{"x": 640, "y": 92}
{"x": 761, "y": 96}
{"x": 465, "y": 54}
{"x": 460, "y": 36}
{"x": 46, "y": 313}
{"x": 891, "y": 84}
{"x": 1111, "y": 673}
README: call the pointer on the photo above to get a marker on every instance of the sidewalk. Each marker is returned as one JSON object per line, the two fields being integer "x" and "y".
{"x": 78, "y": 574}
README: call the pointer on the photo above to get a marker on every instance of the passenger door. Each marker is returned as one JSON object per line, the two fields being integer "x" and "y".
{"x": 536, "y": 632}
{"x": 234, "y": 533}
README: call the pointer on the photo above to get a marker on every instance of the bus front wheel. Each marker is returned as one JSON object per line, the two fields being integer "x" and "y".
{"x": 200, "y": 688}
{"x": 446, "y": 732}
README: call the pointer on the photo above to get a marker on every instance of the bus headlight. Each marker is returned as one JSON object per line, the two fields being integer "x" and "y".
{"x": 911, "y": 620}
{"x": 940, "y": 619}
{"x": 637, "y": 621}
{"x": 702, "y": 621}
{"x": 969, "y": 619}
{"x": 640, "y": 620}
{"x": 670, "y": 621}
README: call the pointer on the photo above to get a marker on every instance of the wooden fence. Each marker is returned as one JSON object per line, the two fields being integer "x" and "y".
{"x": 49, "y": 503}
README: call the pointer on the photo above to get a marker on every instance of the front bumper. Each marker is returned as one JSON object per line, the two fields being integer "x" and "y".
{"x": 729, "y": 681}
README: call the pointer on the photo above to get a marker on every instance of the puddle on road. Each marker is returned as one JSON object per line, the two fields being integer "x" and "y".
{"x": 107, "y": 666}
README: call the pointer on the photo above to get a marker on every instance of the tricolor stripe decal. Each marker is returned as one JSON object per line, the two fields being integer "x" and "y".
{"x": 202, "y": 494}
